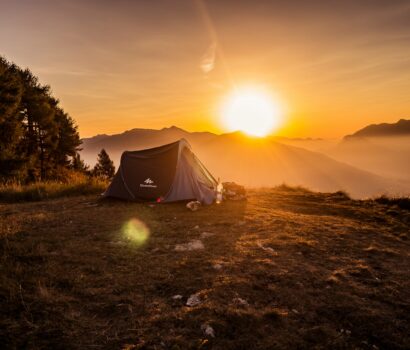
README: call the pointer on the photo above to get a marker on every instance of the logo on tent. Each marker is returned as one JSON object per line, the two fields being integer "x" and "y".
{"x": 148, "y": 183}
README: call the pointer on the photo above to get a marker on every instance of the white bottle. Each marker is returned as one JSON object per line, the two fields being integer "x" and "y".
{"x": 219, "y": 189}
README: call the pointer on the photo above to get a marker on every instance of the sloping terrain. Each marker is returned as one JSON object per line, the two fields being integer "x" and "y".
{"x": 286, "y": 269}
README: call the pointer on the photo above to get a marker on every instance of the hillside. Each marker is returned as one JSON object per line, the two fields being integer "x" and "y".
{"x": 401, "y": 128}
{"x": 286, "y": 269}
{"x": 252, "y": 162}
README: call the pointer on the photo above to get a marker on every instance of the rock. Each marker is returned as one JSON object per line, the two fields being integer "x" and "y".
{"x": 177, "y": 297}
{"x": 208, "y": 330}
{"x": 193, "y": 300}
{"x": 195, "y": 244}
{"x": 193, "y": 205}
{"x": 217, "y": 266}
{"x": 240, "y": 301}
{"x": 207, "y": 234}
{"x": 196, "y": 227}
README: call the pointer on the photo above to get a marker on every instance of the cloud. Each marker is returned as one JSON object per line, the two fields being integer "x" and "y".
{"x": 208, "y": 59}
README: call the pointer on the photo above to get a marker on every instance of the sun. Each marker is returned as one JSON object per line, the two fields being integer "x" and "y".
{"x": 251, "y": 110}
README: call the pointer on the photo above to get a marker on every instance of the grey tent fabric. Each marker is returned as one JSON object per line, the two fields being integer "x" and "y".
{"x": 167, "y": 173}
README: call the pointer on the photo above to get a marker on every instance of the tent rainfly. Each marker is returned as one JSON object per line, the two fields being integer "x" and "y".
{"x": 167, "y": 173}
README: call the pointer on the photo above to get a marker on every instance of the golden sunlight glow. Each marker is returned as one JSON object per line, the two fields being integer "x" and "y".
{"x": 251, "y": 110}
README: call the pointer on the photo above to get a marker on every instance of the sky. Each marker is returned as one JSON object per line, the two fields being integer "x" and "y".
{"x": 335, "y": 66}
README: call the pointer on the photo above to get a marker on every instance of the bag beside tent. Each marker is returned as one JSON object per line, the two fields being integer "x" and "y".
{"x": 167, "y": 173}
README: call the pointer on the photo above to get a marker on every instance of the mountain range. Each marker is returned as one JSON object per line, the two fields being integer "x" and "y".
{"x": 256, "y": 162}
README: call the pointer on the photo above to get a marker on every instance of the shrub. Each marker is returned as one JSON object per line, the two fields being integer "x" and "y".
{"x": 401, "y": 202}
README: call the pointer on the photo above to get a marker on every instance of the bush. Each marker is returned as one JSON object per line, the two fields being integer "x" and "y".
{"x": 401, "y": 202}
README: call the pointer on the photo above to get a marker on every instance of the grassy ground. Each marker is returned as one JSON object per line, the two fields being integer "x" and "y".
{"x": 37, "y": 191}
{"x": 286, "y": 269}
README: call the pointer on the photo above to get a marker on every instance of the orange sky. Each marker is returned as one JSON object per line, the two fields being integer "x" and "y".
{"x": 117, "y": 65}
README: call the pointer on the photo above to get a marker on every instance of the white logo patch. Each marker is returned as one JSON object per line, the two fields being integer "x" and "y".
{"x": 148, "y": 183}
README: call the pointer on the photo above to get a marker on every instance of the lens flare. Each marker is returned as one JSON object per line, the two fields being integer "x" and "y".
{"x": 136, "y": 231}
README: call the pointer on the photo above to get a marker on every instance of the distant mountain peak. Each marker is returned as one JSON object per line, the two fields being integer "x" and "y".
{"x": 400, "y": 128}
{"x": 174, "y": 128}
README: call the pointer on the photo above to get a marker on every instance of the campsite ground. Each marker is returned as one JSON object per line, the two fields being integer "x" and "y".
{"x": 286, "y": 269}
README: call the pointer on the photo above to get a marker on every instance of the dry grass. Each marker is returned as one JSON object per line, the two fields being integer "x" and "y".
{"x": 315, "y": 271}
{"x": 75, "y": 185}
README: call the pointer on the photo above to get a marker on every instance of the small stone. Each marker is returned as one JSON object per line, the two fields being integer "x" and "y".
{"x": 193, "y": 205}
{"x": 177, "y": 297}
{"x": 208, "y": 330}
{"x": 217, "y": 266}
{"x": 196, "y": 244}
{"x": 193, "y": 300}
{"x": 207, "y": 234}
{"x": 240, "y": 301}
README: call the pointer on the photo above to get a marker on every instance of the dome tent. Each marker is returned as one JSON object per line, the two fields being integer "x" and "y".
{"x": 167, "y": 173}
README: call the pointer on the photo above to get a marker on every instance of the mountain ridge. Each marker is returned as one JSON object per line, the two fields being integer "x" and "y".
{"x": 254, "y": 162}
{"x": 400, "y": 128}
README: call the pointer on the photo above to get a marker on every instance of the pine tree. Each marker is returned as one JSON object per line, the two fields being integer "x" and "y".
{"x": 105, "y": 166}
{"x": 78, "y": 164}
{"x": 68, "y": 142}
{"x": 37, "y": 138}
{"x": 11, "y": 128}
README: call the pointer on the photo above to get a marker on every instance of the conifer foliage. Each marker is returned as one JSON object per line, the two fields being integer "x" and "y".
{"x": 105, "y": 166}
{"x": 37, "y": 138}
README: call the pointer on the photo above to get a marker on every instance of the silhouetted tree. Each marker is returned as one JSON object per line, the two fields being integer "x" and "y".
{"x": 37, "y": 137}
{"x": 78, "y": 164}
{"x": 11, "y": 128}
{"x": 68, "y": 142}
{"x": 105, "y": 166}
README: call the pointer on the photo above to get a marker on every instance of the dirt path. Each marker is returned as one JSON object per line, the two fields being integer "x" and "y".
{"x": 286, "y": 269}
